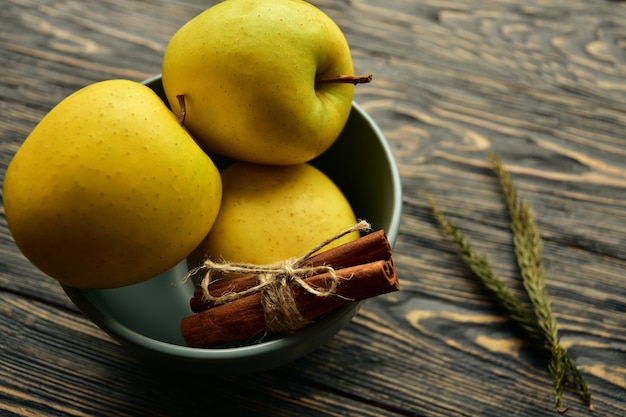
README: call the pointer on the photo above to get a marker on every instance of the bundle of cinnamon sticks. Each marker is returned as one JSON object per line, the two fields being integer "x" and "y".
{"x": 364, "y": 269}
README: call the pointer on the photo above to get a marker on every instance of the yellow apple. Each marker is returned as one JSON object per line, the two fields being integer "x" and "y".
{"x": 108, "y": 189}
{"x": 251, "y": 72}
{"x": 272, "y": 213}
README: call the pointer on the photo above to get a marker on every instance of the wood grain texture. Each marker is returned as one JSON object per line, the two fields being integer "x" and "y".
{"x": 540, "y": 82}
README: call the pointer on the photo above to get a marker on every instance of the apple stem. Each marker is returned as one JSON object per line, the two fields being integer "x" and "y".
{"x": 183, "y": 109}
{"x": 348, "y": 79}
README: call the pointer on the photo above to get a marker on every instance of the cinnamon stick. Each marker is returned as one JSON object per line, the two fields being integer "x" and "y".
{"x": 371, "y": 247}
{"x": 244, "y": 318}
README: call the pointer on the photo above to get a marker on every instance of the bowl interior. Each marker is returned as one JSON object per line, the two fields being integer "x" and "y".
{"x": 146, "y": 317}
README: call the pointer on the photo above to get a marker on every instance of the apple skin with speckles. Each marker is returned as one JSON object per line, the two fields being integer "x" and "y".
{"x": 272, "y": 213}
{"x": 249, "y": 72}
{"x": 108, "y": 189}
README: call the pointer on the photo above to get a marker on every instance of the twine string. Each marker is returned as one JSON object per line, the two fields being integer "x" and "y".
{"x": 273, "y": 283}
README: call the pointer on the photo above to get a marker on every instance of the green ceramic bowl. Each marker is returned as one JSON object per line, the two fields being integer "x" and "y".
{"x": 146, "y": 317}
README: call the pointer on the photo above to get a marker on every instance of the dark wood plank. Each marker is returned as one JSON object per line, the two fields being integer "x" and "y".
{"x": 542, "y": 83}
{"x": 83, "y": 372}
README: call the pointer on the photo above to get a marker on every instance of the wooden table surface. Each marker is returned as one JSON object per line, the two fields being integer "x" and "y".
{"x": 540, "y": 82}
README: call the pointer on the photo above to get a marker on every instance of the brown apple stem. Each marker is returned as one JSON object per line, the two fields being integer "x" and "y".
{"x": 183, "y": 109}
{"x": 348, "y": 79}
